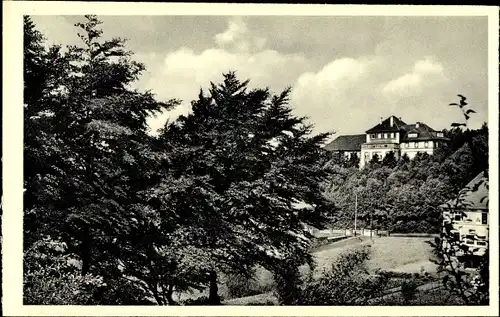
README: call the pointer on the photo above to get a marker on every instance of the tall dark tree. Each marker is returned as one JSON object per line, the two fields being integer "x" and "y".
{"x": 247, "y": 164}
{"x": 87, "y": 146}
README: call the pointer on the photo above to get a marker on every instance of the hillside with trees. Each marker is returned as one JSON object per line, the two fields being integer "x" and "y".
{"x": 404, "y": 195}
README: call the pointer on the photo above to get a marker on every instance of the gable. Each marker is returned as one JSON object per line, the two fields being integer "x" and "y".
{"x": 385, "y": 126}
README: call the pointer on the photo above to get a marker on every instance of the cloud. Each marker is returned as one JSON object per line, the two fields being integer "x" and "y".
{"x": 424, "y": 72}
{"x": 343, "y": 80}
{"x": 237, "y": 37}
{"x": 347, "y": 94}
{"x": 336, "y": 95}
{"x": 183, "y": 72}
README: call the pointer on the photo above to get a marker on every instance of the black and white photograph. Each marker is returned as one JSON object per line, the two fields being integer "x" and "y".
{"x": 257, "y": 160}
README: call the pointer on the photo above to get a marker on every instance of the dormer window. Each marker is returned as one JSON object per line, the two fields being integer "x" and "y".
{"x": 412, "y": 135}
{"x": 440, "y": 134}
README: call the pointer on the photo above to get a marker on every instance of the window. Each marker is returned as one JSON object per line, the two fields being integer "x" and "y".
{"x": 412, "y": 135}
{"x": 440, "y": 134}
{"x": 373, "y": 136}
{"x": 392, "y": 135}
{"x": 436, "y": 144}
{"x": 407, "y": 145}
{"x": 379, "y": 136}
{"x": 457, "y": 217}
{"x": 415, "y": 145}
{"x": 469, "y": 239}
{"x": 484, "y": 218}
{"x": 455, "y": 236}
{"x": 385, "y": 136}
{"x": 481, "y": 243}
{"x": 426, "y": 144}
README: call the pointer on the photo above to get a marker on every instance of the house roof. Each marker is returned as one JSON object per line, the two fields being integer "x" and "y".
{"x": 385, "y": 126}
{"x": 347, "y": 143}
{"x": 424, "y": 132}
{"x": 472, "y": 195}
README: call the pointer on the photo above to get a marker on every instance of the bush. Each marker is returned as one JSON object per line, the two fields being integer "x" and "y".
{"x": 288, "y": 282}
{"x": 394, "y": 274}
{"x": 409, "y": 290}
{"x": 346, "y": 283}
{"x": 200, "y": 301}
{"x": 240, "y": 285}
{"x": 52, "y": 277}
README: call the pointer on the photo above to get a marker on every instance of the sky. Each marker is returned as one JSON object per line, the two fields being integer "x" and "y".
{"x": 346, "y": 72}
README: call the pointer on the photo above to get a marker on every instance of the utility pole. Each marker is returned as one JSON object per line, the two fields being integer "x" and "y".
{"x": 355, "y": 212}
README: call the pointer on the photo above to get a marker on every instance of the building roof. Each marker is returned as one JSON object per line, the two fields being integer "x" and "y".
{"x": 423, "y": 131}
{"x": 385, "y": 126}
{"x": 347, "y": 143}
{"x": 472, "y": 195}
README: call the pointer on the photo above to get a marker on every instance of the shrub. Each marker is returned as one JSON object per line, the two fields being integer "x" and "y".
{"x": 240, "y": 285}
{"x": 394, "y": 274}
{"x": 408, "y": 290}
{"x": 52, "y": 277}
{"x": 288, "y": 282}
{"x": 200, "y": 301}
{"x": 346, "y": 283}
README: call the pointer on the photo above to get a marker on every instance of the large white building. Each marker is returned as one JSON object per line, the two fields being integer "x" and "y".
{"x": 390, "y": 135}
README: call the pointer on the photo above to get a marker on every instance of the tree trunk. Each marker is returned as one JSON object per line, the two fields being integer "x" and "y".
{"x": 213, "y": 298}
{"x": 170, "y": 292}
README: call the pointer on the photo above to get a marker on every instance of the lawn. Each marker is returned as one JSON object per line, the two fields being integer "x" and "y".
{"x": 400, "y": 254}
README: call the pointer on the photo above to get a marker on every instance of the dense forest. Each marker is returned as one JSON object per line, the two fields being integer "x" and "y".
{"x": 404, "y": 195}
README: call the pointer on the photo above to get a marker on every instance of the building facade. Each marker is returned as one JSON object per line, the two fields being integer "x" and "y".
{"x": 390, "y": 135}
{"x": 469, "y": 215}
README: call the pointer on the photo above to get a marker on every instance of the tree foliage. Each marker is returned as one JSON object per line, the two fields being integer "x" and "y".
{"x": 227, "y": 187}
{"x": 249, "y": 163}
{"x": 85, "y": 133}
{"x": 346, "y": 282}
{"x": 453, "y": 255}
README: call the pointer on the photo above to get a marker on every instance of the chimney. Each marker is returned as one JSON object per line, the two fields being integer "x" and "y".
{"x": 381, "y": 120}
{"x": 417, "y": 125}
{"x": 392, "y": 121}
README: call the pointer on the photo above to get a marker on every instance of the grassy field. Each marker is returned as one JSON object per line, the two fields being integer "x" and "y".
{"x": 400, "y": 254}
